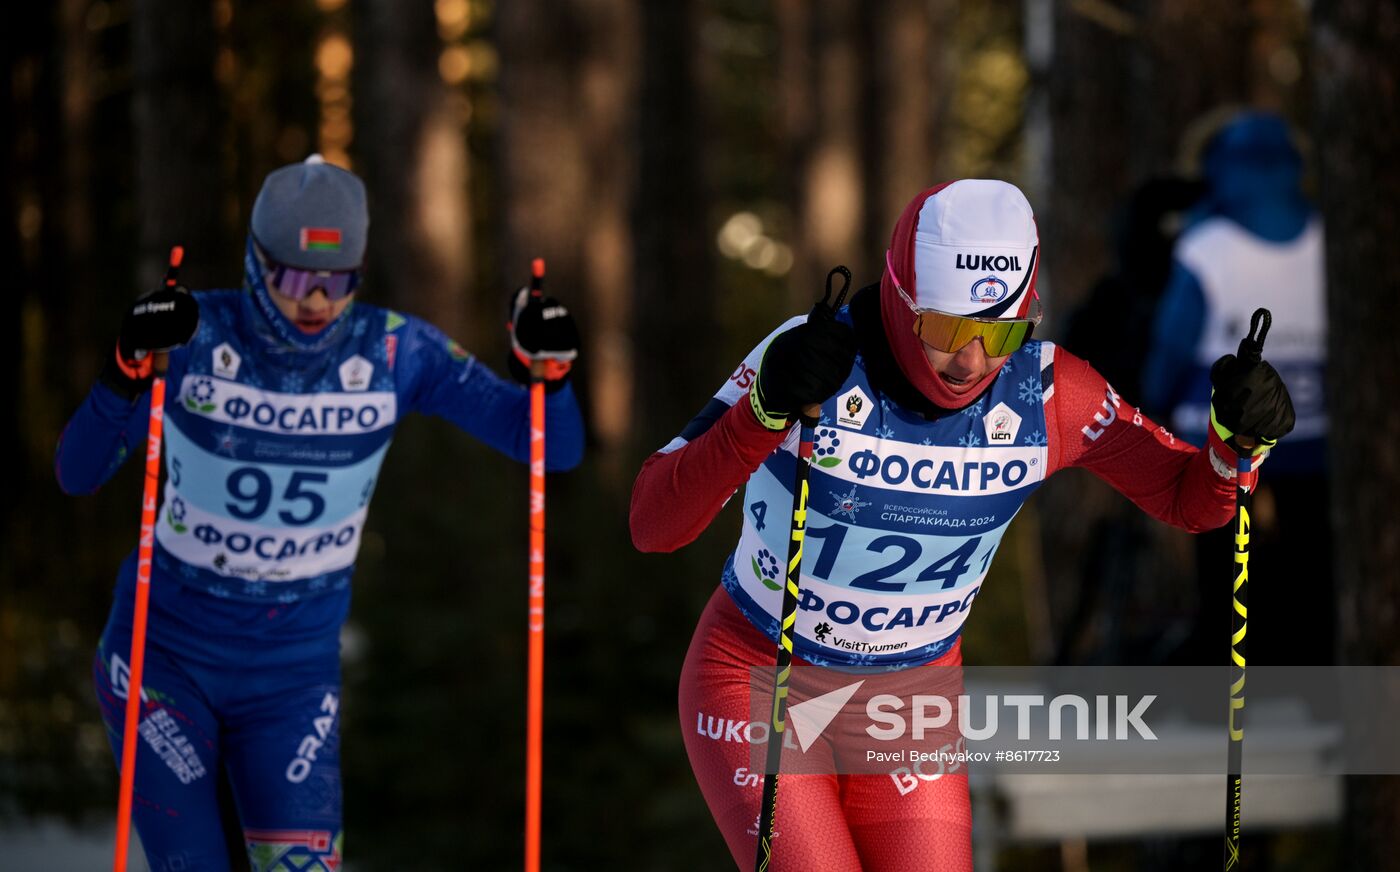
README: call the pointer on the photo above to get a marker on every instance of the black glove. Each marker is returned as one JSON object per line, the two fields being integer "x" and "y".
{"x": 541, "y": 329}
{"x": 1249, "y": 399}
{"x": 159, "y": 321}
{"x": 803, "y": 366}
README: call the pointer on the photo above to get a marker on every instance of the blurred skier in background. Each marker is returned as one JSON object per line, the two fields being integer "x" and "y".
{"x": 1254, "y": 240}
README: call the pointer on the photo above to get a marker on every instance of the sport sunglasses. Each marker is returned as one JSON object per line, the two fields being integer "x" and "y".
{"x": 297, "y": 284}
{"x": 950, "y": 333}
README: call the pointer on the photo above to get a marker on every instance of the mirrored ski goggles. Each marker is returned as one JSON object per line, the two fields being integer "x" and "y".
{"x": 950, "y": 333}
{"x": 297, "y": 284}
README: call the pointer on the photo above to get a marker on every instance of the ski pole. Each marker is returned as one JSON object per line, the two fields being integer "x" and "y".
{"x": 143, "y": 587}
{"x": 1246, "y": 482}
{"x": 534, "y": 719}
{"x": 768, "y": 803}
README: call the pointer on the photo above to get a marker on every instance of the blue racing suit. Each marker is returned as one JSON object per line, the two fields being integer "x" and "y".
{"x": 273, "y": 445}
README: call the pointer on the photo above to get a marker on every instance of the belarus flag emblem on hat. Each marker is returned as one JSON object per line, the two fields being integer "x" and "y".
{"x": 320, "y": 239}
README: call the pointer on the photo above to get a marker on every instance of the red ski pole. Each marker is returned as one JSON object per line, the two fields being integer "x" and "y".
{"x": 143, "y": 588}
{"x": 534, "y": 719}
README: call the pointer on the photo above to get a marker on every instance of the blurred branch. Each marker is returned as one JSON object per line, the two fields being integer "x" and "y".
{"x": 1106, "y": 15}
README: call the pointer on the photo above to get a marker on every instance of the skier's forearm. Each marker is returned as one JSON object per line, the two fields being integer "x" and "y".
{"x": 1181, "y": 488}
{"x": 98, "y": 439}
{"x": 497, "y": 412}
{"x": 1164, "y": 476}
{"x": 677, "y": 494}
{"x": 507, "y": 427}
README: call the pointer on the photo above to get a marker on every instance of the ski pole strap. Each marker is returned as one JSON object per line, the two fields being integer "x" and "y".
{"x": 766, "y": 418}
{"x": 828, "y": 307}
{"x": 138, "y": 369}
{"x": 1251, "y": 347}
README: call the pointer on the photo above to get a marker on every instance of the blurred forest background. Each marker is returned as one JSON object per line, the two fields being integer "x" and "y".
{"x": 689, "y": 169}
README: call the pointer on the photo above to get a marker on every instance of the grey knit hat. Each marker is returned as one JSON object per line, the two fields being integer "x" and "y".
{"x": 312, "y": 215}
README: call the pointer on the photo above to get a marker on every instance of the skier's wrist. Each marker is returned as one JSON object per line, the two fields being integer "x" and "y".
{"x": 769, "y": 420}
{"x": 1253, "y": 446}
{"x": 554, "y": 374}
{"x": 127, "y": 378}
{"x": 1225, "y": 456}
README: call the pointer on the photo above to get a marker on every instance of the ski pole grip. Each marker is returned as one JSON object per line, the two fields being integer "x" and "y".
{"x": 1252, "y": 345}
{"x": 160, "y": 360}
{"x": 810, "y": 415}
{"x": 536, "y": 276}
{"x": 177, "y": 257}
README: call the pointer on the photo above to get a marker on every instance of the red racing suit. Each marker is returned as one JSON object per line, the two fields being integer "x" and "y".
{"x": 901, "y": 478}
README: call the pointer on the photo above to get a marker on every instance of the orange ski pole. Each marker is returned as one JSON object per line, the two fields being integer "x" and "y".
{"x": 534, "y": 719}
{"x": 143, "y": 588}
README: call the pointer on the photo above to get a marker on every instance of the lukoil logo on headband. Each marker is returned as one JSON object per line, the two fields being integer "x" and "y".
{"x": 989, "y": 262}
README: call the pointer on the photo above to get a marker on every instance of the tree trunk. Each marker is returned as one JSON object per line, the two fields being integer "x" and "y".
{"x": 674, "y": 326}
{"x": 1356, "y": 127}
{"x": 542, "y": 174}
{"x": 29, "y": 184}
{"x": 266, "y": 69}
{"x": 835, "y": 175}
{"x": 608, "y": 86}
{"x": 82, "y": 287}
{"x": 179, "y": 140}
{"x": 1194, "y": 57}
{"x": 908, "y": 94}
{"x": 1126, "y": 85}
{"x": 410, "y": 139}
{"x": 864, "y": 93}
{"x": 796, "y": 47}
{"x": 566, "y": 180}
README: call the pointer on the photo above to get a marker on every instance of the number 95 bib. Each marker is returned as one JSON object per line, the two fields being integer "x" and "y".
{"x": 265, "y": 489}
